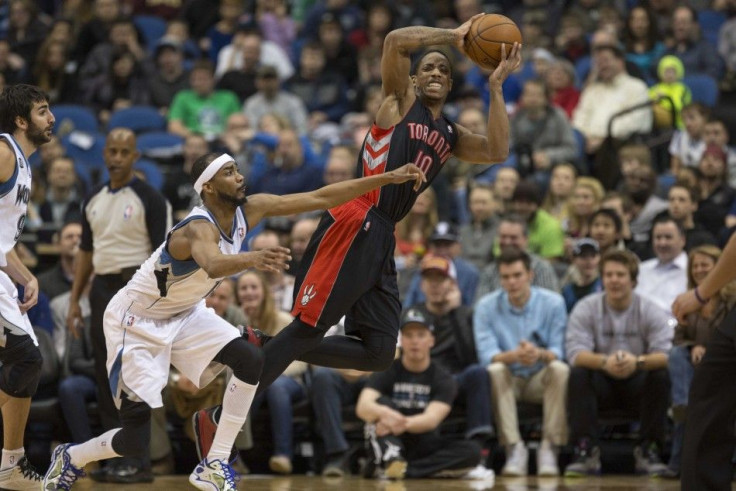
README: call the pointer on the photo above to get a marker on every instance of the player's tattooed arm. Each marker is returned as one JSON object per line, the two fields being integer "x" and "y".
{"x": 266, "y": 205}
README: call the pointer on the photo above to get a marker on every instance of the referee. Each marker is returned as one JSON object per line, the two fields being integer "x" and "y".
{"x": 123, "y": 221}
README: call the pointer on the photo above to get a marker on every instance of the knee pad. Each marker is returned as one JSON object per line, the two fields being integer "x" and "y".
{"x": 134, "y": 439}
{"x": 21, "y": 369}
{"x": 245, "y": 360}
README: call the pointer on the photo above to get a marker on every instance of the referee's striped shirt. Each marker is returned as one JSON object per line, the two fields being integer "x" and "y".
{"x": 122, "y": 227}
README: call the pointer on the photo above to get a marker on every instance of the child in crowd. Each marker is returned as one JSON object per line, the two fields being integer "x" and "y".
{"x": 670, "y": 93}
{"x": 687, "y": 146}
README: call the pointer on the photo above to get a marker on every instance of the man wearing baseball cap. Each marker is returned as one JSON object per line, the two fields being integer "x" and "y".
{"x": 445, "y": 241}
{"x": 454, "y": 347}
{"x": 403, "y": 408}
{"x": 585, "y": 258}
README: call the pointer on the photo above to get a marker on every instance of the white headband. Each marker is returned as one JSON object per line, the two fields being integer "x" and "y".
{"x": 211, "y": 170}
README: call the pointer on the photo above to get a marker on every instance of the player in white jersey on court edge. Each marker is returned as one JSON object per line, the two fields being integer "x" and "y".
{"x": 26, "y": 123}
{"x": 160, "y": 317}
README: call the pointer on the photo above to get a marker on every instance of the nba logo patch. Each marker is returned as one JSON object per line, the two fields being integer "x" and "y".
{"x": 130, "y": 321}
{"x": 128, "y": 212}
{"x": 241, "y": 232}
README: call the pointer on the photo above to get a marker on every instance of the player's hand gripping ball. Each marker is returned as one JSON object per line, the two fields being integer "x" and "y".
{"x": 485, "y": 37}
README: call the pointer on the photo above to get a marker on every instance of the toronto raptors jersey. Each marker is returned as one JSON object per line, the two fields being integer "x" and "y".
{"x": 164, "y": 287}
{"x": 419, "y": 139}
{"x": 14, "y": 196}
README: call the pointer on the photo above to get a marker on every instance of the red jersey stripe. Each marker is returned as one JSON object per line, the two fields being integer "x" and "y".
{"x": 328, "y": 260}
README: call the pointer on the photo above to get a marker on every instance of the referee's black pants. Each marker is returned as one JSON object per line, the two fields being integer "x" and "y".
{"x": 104, "y": 287}
{"x": 709, "y": 432}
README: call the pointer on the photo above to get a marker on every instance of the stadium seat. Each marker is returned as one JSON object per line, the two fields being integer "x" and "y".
{"x": 138, "y": 119}
{"x": 152, "y": 29}
{"x": 85, "y": 148}
{"x": 153, "y": 174}
{"x": 704, "y": 89}
{"x": 74, "y": 117}
{"x": 710, "y": 24}
{"x": 160, "y": 145}
{"x": 582, "y": 69}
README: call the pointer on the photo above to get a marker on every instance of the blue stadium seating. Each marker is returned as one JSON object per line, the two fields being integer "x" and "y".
{"x": 710, "y": 23}
{"x": 73, "y": 117}
{"x": 138, "y": 119}
{"x": 153, "y": 174}
{"x": 85, "y": 148}
{"x": 152, "y": 29}
{"x": 159, "y": 144}
{"x": 704, "y": 89}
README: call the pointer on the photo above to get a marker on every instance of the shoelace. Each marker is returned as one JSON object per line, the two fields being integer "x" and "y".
{"x": 27, "y": 469}
{"x": 69, "y": 475}
{"x": 231, "y": 477}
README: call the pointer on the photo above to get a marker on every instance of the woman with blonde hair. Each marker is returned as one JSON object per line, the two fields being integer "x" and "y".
{"x": 585, "y": 200}
{"x": 254, "y": 297}
{"x": 415, "y": 228}
{"x": 690, "y": 340}
{"x": 561, "y": 185}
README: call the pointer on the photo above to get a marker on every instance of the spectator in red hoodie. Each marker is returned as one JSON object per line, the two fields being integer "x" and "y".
{"x": 560, "y": 77}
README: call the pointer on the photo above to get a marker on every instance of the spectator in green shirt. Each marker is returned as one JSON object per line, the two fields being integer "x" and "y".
{"x": 202, "y": 109}
{"x": 546, "y": 237}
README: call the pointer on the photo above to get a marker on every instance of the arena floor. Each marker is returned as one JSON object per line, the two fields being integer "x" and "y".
{"x": 306, "y": 483}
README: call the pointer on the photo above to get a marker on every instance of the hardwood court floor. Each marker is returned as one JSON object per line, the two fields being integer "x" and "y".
{"x": 307, "y": 483}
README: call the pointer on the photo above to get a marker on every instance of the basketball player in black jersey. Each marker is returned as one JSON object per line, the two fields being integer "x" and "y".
{"x": 348, "y": 267}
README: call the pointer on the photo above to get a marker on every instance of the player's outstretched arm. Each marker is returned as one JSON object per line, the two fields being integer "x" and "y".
{"x": 720, "y": 275}
{"x": 494, "y": 146}
{"x": 202, "y": 237}
{"x": 266, "y": 205}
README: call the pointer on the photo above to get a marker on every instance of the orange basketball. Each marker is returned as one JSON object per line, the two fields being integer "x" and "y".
{"x": 485, "y": 37}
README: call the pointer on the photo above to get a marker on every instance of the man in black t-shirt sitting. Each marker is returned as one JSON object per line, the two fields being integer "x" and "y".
{"x": 403, "y": 408}
{"x": 454, "y": 343}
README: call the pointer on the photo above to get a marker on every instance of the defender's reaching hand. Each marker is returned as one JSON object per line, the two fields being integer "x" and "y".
{"x": 408, "y": 172}
{"x": 274, "y": 259}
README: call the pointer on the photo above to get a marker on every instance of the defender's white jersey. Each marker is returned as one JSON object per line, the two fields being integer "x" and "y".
{"x": 14, "y": 196}
{"x": 164, "y": 287}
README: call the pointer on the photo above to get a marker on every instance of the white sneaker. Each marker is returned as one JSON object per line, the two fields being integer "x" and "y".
{"x": 547, "y": 460}
{"x": 213, "y": 475}
{"x": 20, "y": 476}
{"x": 480, "y": 473}
{"x": 517, "y": 460}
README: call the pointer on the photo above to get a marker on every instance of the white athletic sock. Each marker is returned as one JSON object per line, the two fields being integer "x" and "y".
{"x": 235, "y": 406}
{"x": 11, "y": 457}
{"x": 99, "y": 448}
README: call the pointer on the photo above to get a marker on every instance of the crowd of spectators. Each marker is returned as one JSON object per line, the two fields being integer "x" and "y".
{"x": 555, "y": 269}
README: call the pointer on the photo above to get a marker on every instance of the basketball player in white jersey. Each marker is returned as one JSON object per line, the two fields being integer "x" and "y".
{"x": 160, "y": 318}
{"x": 25, "y": 124}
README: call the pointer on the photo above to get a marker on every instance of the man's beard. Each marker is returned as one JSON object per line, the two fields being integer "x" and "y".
{"x": 36, "y": 135}
{"x": 640, "y": 196}
{"x": 234, "y": 200}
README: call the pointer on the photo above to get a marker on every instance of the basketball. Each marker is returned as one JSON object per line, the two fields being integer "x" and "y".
{"x": 485, "y": 37}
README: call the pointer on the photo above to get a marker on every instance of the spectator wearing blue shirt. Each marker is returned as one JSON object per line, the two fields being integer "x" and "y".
{"x": 322, "y": 89}
{"x": 586, "y": 256}
{"x": 697, "y": 54}
{"x": 520, "y": 334}
{"x": 288, "y": 172}
{"x": 445, "y": 241}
